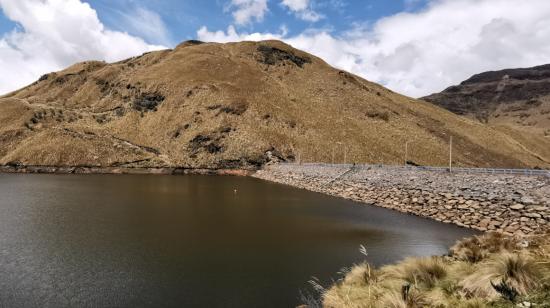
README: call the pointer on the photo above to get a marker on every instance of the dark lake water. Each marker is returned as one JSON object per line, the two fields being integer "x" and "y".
{"x": 187, "y": 241}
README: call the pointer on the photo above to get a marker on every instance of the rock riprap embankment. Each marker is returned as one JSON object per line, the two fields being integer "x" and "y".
{"x": 512, "y": 204}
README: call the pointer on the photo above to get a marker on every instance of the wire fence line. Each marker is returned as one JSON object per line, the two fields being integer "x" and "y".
{"x": 530, "y": 172}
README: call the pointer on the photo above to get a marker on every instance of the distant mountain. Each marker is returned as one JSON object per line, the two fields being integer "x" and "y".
{"x": 240, "y": 105}
{"x": 519, "y": 98}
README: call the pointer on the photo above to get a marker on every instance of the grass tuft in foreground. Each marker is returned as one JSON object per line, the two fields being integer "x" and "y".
{"x": 490, "y": 270}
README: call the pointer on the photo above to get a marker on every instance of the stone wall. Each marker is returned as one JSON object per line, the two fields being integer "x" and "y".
{"x": 512, "y": 204}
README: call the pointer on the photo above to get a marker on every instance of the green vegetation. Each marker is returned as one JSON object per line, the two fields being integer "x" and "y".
{"x": 491, "y": 270}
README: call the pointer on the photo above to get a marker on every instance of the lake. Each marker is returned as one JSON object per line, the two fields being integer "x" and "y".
{"x": 188, "y": 241}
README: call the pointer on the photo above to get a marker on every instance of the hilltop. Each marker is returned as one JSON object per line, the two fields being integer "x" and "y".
{"x": 236, "y": 105}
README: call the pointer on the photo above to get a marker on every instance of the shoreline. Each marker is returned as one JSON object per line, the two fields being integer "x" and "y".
{"x": 508, "y": 204}
{"x": 122, "y": 170}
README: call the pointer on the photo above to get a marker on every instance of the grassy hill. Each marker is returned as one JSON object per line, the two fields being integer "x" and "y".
{"x": 514, "y": 101}
{"x": 237, "y": 105}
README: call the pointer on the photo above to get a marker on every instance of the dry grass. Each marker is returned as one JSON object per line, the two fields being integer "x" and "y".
{"x": 518, "y": 270}
{"x": 478, "y": 248}
{"x": 418, "y": 272}
{"x": 414, "y": 299}
{"x": 164, "y": 100}
{"x": 521, "y": 110}
{"x": 465, "y": 278}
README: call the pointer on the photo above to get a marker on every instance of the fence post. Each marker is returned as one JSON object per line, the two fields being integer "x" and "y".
{"x": 345, "y": 155}
{"x": 451, "y": 154}
{"x": 406, "y": 152}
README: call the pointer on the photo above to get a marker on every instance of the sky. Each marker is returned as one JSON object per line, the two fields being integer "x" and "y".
{"x": 414, "y": 47}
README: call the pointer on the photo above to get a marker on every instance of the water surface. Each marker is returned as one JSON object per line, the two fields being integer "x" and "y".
{"x": 187, "y": 241}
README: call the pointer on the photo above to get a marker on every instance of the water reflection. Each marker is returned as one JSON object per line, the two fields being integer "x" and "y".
{"x": 162, "y": 241}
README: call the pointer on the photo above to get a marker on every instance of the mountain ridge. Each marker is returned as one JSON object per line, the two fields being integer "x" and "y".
{"x": 513, "y": 101}
{"x": 238, "y": 106}
{"x": 519, "y": 98}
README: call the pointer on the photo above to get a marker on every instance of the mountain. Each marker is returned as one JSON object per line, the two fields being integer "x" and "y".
{"x": 236, "y": 105}
{"x": 519, "y": 98}
{"x": 513, "y": 101}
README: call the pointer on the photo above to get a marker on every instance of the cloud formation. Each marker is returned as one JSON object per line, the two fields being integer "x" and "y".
{"x": 53, "y": 34}
{"x": 231, "y": 35}
{"x": 418, "y": 53}
{"x": 248, "y": 10}
{"x": 302, "y": 9}
{"x": 415, "y": 52}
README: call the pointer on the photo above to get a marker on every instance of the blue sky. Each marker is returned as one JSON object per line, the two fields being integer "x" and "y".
{"x": 414, "y": 47}
{"x": 183, "y": 18}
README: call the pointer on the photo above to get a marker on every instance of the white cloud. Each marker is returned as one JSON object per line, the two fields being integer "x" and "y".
{"x": 231, "y": 35}
{"x": 302, "y": 9}
{"x": 421, "y": 52}
{"x": 53, "y": 34}
{"x": 247, "y": 10}
{"x": 296, "y": 5}
{"x": 146, "y": 24}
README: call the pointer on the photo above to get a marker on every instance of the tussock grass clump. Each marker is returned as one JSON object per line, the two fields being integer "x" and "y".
{"x": 361, "y": 275}
{"x": 381, "y": 115}
{"x": 424, "y": 272}
{"x": 491, "y": 270}
{"x": 519, "y": 272}
{"x": 414, "y": 299}
{"x": 477, "y": 248}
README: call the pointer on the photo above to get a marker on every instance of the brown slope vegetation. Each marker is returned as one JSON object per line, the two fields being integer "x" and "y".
{"x": 517, "y": 98}
{"x": 490, "y": 270}
{"x": 513, "y": 101}
{"x": 233, "y": 105}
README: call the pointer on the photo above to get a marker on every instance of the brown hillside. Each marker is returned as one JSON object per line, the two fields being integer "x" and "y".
{"x": 517, "y": 98}
{"x": 234, "y": 105}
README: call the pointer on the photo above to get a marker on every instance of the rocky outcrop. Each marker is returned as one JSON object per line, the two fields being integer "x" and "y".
{"x": 515, "y": 97}
{"x": 510, "y": 204}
